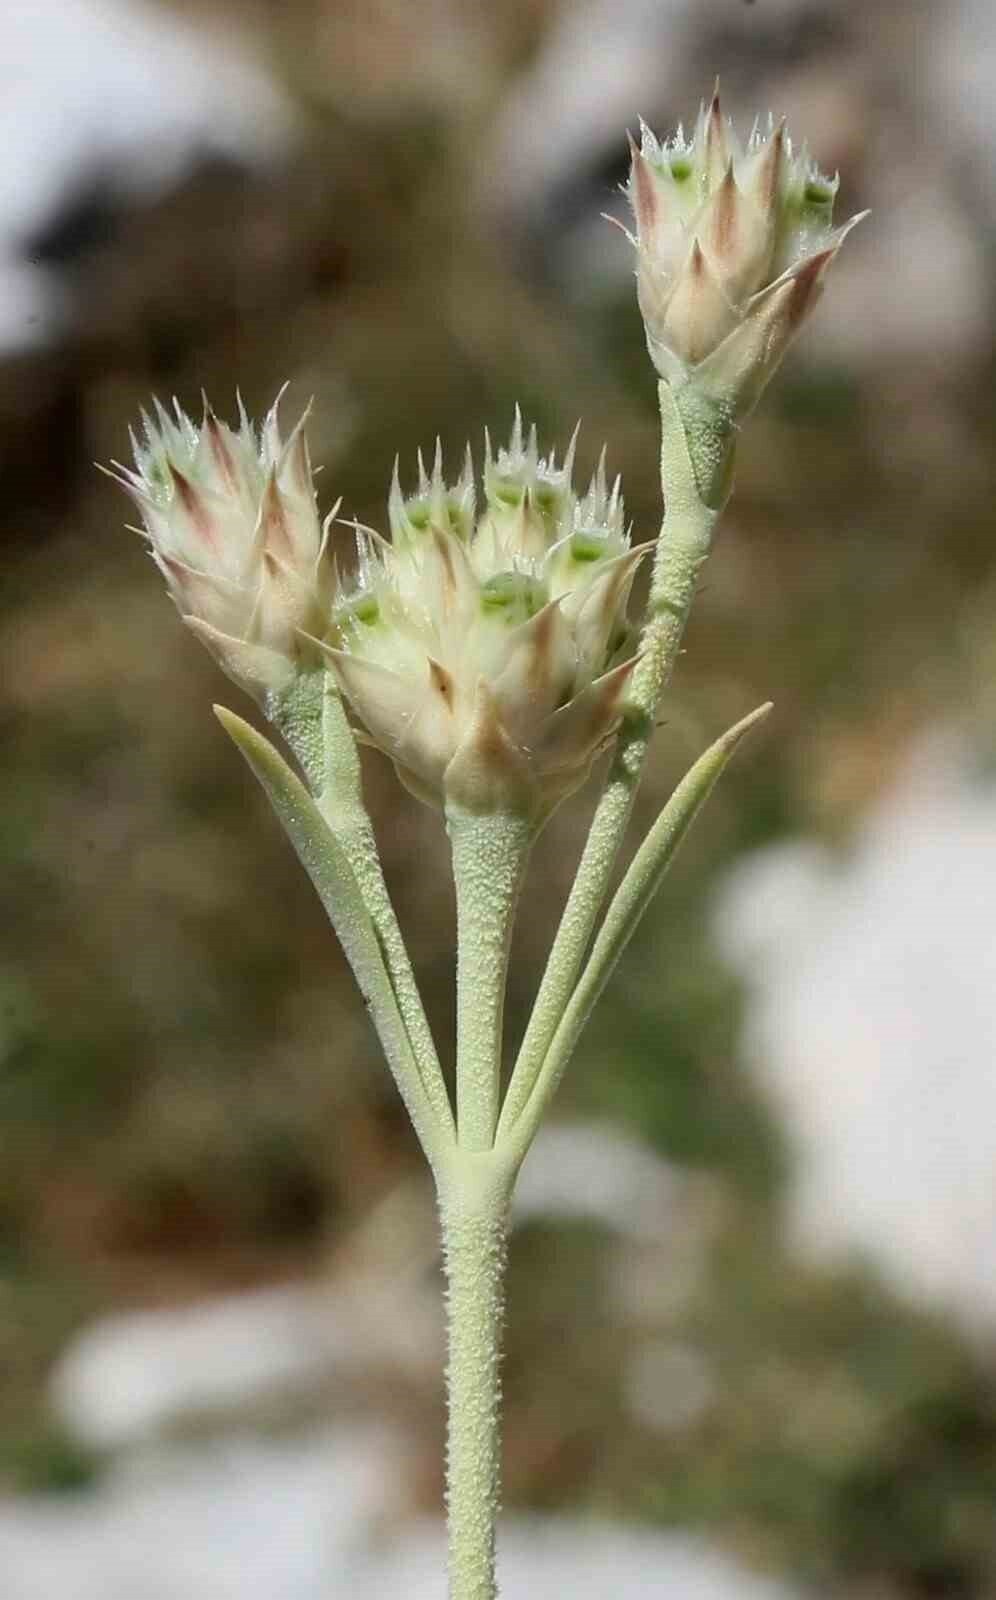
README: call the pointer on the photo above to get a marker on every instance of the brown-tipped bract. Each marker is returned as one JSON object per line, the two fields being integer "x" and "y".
{"x": 484, "y": 656}
{"x": 234, "y": 528}
{"x": 732, "y": 245}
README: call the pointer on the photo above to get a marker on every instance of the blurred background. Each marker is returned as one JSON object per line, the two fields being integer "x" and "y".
{"x": 752, "y": 1315}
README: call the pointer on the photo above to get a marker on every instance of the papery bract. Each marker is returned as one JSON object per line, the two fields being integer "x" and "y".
{"x": 483, "y": 653}
{"x": 732, "y": 246}
{"x": 234, "y": 528}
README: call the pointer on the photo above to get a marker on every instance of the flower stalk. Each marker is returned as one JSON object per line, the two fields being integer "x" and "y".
{"x": 490, "y": 853}
{"x": 684, "y": 543}
{"x": 340, "y": 800}
{"x": 312, "y": 720}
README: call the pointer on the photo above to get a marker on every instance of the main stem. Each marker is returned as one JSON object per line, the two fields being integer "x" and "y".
{"x": 474, "y": 1226}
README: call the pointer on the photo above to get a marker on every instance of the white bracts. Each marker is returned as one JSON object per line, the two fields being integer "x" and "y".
{"x": 732, "y": 246}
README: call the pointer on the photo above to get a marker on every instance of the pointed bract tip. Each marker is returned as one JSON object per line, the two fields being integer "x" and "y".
{"x": 757, "y": 209}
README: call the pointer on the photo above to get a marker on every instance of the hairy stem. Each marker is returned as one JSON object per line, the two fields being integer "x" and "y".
{"x": 313, "y": 721}
{"x": 360, "y": 849}
{"x": 341, "y": 802}
{"x": 489, "y": 858}
{"x": 685, "y": 540}
{"x": 474, "y": 1214}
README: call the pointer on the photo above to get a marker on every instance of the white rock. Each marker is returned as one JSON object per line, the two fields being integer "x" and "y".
{"x": 872, "y": 1025}
{"x": 668, "y": 1385}
{"x": 958, "y": 90}
{"x": 592, "y": 1171}
{"x": 298, "y": 1521}
{"x": 125, "y": 91}
{"x": 556, "y": 1556}
{"x": 246, "y": 1520}
{"x": 128, "y": 1375}
{"x": 602, "y": 63}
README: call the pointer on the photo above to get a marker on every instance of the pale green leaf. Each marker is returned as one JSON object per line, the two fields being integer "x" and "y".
{"x": 643, "y": 879}
{"x": 326, "y": 864}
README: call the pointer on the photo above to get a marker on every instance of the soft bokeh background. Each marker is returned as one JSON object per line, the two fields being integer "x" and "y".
{"x": 753, "y": 1276}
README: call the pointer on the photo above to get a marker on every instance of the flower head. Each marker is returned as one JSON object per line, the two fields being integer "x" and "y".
{"x": 482, "y": 653}
{"x": 732, "y": 246}
{"x": 234, "y": 528}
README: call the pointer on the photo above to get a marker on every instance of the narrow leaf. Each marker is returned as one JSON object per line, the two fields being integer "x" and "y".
{"x": 643, "y": 879}
{"x": 323, "y": 859}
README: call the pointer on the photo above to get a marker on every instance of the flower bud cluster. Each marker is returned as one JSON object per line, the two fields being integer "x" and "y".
{"x": 234, "y": 528}
{"x": 482, "y": 653}
{"x": 732, "y": 245}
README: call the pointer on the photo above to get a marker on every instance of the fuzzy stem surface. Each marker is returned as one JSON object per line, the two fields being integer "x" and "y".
{"x": 314, "y": 723}
{"x": 695, "y": 471}
{"x": 474, "y": 1219}
{"x": 355, "y": 832}
{"x": 341, "y": 801}
{"x": 490, "y": 852}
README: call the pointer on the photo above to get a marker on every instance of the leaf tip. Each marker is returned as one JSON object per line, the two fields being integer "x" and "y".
{"x": 733, "y": 737}
{"x": 231, "y": 723}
